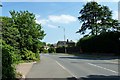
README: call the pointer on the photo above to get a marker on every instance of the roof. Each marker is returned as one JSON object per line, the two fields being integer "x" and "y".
{"x": 61, "y": 42}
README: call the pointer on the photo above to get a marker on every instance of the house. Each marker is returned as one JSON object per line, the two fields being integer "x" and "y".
{"x": 70, "y": 43}
{"x": 61, "y": 43}
{"x": 46, "y": 47}
{"x": 65, "y": 43}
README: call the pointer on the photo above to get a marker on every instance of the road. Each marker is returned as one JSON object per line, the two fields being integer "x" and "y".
{"x": 70, "y": 67}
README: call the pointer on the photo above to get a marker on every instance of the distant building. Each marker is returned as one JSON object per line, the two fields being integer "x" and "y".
{"x": 70, "y": 43}
{"x": 61, "y": 43}
{"x": 46, "y": 47}
{"x": 65, "y": 43}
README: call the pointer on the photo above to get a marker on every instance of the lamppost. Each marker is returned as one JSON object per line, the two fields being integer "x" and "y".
{"x": 64, "y": 36}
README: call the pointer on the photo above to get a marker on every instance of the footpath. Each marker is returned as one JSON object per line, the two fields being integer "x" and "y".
{"x": 24, "y": 68}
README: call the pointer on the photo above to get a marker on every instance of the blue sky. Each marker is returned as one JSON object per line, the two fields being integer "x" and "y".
{"x": 54, "y": 14}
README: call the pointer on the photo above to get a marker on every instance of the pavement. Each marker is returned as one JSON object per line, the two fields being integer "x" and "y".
{"x": 24, "y": 68}
{"x": 70, "y": 67}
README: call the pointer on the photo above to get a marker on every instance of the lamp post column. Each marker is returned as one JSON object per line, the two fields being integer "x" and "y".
{"x": 64, "y": 37}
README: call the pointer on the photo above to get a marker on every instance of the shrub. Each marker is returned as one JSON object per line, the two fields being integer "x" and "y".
{"x": 28, "y": 55}
{"x": 9, "y": 59}
{"x": 51, "y": 50}
{"x": 45, "y": 51}
{"x": 104, "y": 43}
{"x": 60, "y": 49}
{"x": 37, "y": 55}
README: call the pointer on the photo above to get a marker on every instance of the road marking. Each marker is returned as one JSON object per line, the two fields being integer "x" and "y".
{"x": 66, "y": 69}
{"x": 102, "y": 67}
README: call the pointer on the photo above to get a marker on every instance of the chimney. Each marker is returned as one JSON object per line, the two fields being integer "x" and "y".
{"x": 67, "y": 40}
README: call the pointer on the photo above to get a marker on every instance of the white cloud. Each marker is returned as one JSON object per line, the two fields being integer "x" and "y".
{"x": 39, "y": 20}
{"x": 53, "y": 19}
{"x": 42, "y": 21}
{"x": 65, "y": 19}
{"x": 52, "y": 26}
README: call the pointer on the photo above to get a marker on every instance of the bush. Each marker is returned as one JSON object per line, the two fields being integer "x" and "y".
{"x": 9, "y": 59}
{"x": 60, "y": 49}
{"x": 37, "y": 55}
{"x": 28, "y": 55}
{"x": 104, "y": 43}
{"x": 69, "y": 50}
{"x": 45, "y": 51}
{"x": 51, "y": 50}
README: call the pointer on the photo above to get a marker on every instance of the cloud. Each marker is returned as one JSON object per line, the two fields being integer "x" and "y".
{"x": 39, "y": 20}
{"x": 52, "y": 26}
{"x": 56, "y": 20}
{"x": 65, "y": 19}
{"x": 42, "y": 21}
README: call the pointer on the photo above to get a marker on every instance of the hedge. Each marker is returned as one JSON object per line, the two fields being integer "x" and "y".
{"x": 104, "y": 43}
{"x": 68, "y": 50}
{"x": 9, "y": 59}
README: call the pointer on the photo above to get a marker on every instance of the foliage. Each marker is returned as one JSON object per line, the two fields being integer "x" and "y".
{"x": 104, "y": 43}
{"x": 22, "y": 32}
{"x": 51, "y": 50}
{"x": 9, "y": 59}
{"x": 30, "y": 32}
{"x": 69, "y": 50}
{"x": 45, "y": 51}
{"x": 96, "y": 18}
{"x": 10, "y": 34}
{"x": 21, "y": 40}
{"x": 27, "y": 55}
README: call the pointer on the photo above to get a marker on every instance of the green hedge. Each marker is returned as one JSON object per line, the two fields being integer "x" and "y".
{"x": 9, "y": 59}
{"x": 51, "y": 50}
{"x": 69, "y": 50}
{"x": 104, "y": 43}
{"x": 29, "y": 55}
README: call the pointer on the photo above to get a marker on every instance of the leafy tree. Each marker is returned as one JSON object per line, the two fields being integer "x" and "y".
{"x": 20, "y": 34}
{"x": 10, "y": 34}
{"x": 30, "y": 32}
{"x": 48, "y": 44}
{"x": 96, "y": 18}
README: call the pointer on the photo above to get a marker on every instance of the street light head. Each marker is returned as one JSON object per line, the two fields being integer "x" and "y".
{"x": 0, "y": 5}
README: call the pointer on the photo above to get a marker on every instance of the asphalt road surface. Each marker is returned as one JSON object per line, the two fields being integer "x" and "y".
{"x": 69, "y": 67}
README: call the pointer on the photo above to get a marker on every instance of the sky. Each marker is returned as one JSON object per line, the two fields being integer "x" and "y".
{"x": 53, "y": 14}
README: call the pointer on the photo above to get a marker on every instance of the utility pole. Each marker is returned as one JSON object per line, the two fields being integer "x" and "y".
{"x": 64, "y": 36}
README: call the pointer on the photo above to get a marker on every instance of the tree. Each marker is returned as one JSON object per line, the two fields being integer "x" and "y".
{"x": 10, "y": 34}
{"x": 21, "y": 39}
{"x": 96, "y": 18}
{"x": 30, "y": 32}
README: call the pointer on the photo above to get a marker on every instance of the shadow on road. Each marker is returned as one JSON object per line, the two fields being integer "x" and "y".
{"x": 91, "y": 57}
{"x": 100, "y": 77}
{"x": 96, "y": 77}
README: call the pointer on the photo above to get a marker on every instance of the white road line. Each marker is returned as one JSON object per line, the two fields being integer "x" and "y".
{"x": 66, "y": 69}
{"x": 102, "y": 67}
